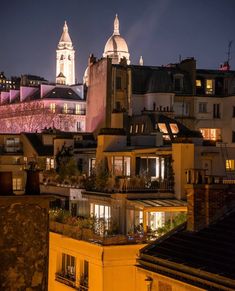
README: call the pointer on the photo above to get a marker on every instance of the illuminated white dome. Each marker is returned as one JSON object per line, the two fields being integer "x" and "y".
{"x": 86, "y": 76}
{"x": 116, "y": 46}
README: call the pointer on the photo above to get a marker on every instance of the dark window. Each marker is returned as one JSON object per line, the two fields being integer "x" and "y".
{"x": 202, "y": 107}
{"x": 79, "y": 126}
{"x": 233, "y": 111}
{"x": 178, "y": 84}
{"x": 118, "y": 105}
{"x": 85, "y": 277}
{"x": 216, "y": 110}
{"x": 118, "y": 83}
{"x": 80, "y": 165}
{"x": 233, "y": 136}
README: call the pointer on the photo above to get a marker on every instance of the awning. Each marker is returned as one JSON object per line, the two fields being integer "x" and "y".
{"x": 159, "y": 205}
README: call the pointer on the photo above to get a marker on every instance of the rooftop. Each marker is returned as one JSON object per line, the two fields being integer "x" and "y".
{"x": 192, "y": 256}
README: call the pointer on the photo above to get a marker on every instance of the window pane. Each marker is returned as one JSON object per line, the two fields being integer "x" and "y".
{"x": 162, "y": 127}
{"x": 174, "y": 128}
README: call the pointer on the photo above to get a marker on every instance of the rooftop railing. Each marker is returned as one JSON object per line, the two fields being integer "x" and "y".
{"x": 89, "y": 235}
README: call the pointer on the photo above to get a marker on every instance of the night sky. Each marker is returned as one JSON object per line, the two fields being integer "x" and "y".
{"x": 160, "y": 30}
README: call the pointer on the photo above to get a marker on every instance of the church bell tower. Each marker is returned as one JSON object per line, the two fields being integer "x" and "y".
{"x": 65, "y": 59}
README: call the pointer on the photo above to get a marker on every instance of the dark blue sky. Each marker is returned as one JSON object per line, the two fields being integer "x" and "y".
{"x": 160, "y": 30}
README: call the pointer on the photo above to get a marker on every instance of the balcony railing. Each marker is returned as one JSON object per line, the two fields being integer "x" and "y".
{"x": 65, "y": 279}
{"x": 138, "y": 184}
{"x": 70, "y": 111}
{"x": 72, "y": 282}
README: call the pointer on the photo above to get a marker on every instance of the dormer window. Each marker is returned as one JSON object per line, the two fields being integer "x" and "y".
{"x": 198, "y": 83}
{"x": 162, "y": 127}
{"x": 174, "y": 128}
{"x": 210, "y": 86}
{"x": 178, "y": 82}
{"x": 131, "y": 128}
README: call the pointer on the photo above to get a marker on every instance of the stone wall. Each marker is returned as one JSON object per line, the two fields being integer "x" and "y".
{"x": 24, "y": 243}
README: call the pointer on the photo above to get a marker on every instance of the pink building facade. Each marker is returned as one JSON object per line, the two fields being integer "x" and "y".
{"x": 34, "y": 109}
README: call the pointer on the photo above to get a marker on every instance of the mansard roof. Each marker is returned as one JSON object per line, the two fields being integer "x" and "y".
{"x": 36, "y": 142}
{"x": 62, "y": 93}
{"x": 146, "y": 79}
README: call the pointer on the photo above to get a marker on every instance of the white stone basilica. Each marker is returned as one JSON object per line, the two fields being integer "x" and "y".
{"x": 65, "y": 59}
{"x": 116, "y": 46}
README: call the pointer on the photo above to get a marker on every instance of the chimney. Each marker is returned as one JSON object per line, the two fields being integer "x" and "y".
{"x": 6, "y": 184}
{"x": 207, "y": 202}
{"x": 32, "y": 186}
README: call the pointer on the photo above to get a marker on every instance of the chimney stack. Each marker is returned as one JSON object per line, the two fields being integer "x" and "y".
{"x": 207, "y": 202}
{"x": 6, "y": 188}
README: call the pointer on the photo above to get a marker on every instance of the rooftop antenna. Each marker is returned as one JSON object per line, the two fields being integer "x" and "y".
{"x": 229, "y": 51}
{"x": 226, "y": 66}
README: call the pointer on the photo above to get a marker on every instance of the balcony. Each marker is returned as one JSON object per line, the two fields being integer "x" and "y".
{"x": 70, "y": 281}
{"x": 61, "y": 110}
{"x": 130, "y": 185}
{"x": 66, "y": 279}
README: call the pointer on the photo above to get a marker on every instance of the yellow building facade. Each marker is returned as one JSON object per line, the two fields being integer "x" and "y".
{"x": 91, "y": 266}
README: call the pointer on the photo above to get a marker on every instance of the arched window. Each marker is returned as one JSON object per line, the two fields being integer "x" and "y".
{"x": 62, "y": 57}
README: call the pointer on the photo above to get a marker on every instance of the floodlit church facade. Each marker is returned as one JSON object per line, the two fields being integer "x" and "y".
{"x": 65, "y": 59}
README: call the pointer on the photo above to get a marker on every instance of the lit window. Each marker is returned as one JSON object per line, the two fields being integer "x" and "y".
{"x": 230, "y": 165}
{"x": 17, "y": 184}
{"x": 78, "y": 109}
{"x": 202, "y": 107}
{"x": 121, "y": 166}
{"x": 68, "y": 266}
{"x": 131, "y": 128}
{"x": 166, "y": 137}
{"x": 198, "y": 83}
{"x": 211, "y": 133}
{"x": 136, "y": 128}
{"x": 162, "y": 127}
{"x": 65, "y": 108}
{"x": 152, "y": 166}
{"x": 91, "y": 165}
{"x": 209, "y": 87}
{"x": 157, "y": 219}
{"x": 101, "y": 212}
{"x": 52, "y": 163}
{"x": 174, "y": 128}
{"x": 142, "y": 127}
{"x": 12, "y": 145}
{"x": 52, "y": 107}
